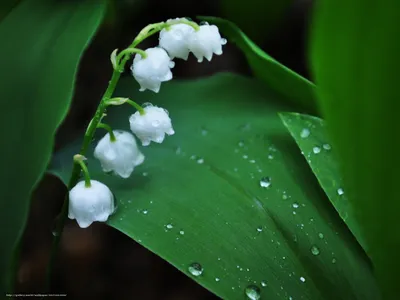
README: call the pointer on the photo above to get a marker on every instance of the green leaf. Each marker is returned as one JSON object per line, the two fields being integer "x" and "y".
{"x": 44, "y": 42}
{"x": 199, "y": 196}
{"x": 256, "y": 17}
{"x": 292, "y": 86}
{"x": 355, "y": 55}
{"x": 310, "y": 135}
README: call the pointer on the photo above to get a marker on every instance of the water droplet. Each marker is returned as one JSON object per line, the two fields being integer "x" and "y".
{"x": 327, "y": 147}
{"x": 270, "y": 156}
{"x": 340, "y": 191}
{"x": 321, "y": 235}
{"x": 245, "y": 156}
{"x": 305, "y": 133}
{"x": 265, "y": 182}
{"x": 181, "y": 232}
{"x": 295, "y": 205}
{"x": 223, "y": 41}
{"x": 334, "y": 260}
{"x": 284, "y": 196}
{"x": 200, "y": 161}
{"x": 145, "y": 174}
{"x": 241, "y": 144}
{"x": 204, "y": 132}
{"x": 145, "y": 211}
{"x": 171, "y": 64}
{"x": 294, "y": 212}
{"x": 252, "y": 161}
{"x": 195, "y": 269}
{"x": 178, "y": 150}
{"x": 146, "y": 104}
{"x": 259, "y": 229}
{"x": 263, "y": 283}
{"x": 302, "y": 279}
{"x": 169, "y": 226}
{"x": 217, "y": 279}
{"x": 314, "y": 250}
{"x": 253, "y": 292}
{"x": 316, "y": 150}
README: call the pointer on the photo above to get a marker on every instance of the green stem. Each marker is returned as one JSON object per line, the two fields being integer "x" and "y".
{"x": 137, "y": 106}
{"x": 76, "y": 171}
{"x": 109, "y": 129}
{"x": 127, "y": 53}
{"x": 79, "y": 159}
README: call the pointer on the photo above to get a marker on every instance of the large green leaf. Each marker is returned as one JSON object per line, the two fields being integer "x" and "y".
{"x": 355, "y": 55}
{"x": 42, "y": 44}
{"x": 202, "y": 197}
{"x": 311, "y": 136}
{"x": 281, "y": 79}
{"x": 256, "y": 17}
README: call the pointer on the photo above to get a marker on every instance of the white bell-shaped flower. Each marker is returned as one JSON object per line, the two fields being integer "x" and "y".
{"x": 175, "y": 40}
{"x": 152, "y": 70}
{"x": 152, "y": 126}
{"x": 120, "y": 156}
{"x": 205, "y": 42}
{"x": 90, "y": 204}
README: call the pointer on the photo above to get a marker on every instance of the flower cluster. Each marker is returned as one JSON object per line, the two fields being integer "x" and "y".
{"x": 175, "y": 41}
{"x": 117, "y": 151}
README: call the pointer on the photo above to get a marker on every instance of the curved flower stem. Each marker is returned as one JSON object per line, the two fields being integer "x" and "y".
{"x": 109, "y": 129}
{"x": 79, "y": 159}
{"x": 144, "y": 33}
{"x": 76, "y": 170}
{"x": 137, "y": 106}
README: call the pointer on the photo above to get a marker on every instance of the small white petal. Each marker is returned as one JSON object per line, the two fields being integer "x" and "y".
{"x": 206, "y": 41}
{"x": 151, "y": 126}
{"x": 175, "y": 40}
{"x": 90, "y": 204}
{"x": 149, "y": 72}
{"x": 120, "y": 156}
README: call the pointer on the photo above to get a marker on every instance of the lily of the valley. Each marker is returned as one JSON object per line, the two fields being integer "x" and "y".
{"x": 153, "y": 69}
{"x": 152, "y": 125}
{"x": 205, "y": 42}
{"x": 90, "y": 204}
{"x": 120, "y": 156}
{"x": 175, "y": 39}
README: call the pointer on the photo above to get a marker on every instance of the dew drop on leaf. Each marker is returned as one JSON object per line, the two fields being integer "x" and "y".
{"x": 316, "y": 150}
{"x": 321, "y": 235}
{"x": 302, "y": 279}
{"x": 340, "y": 191}
{"x": 315, "y": 250}
{"x": 253, "y": 292}
{"x": 195, "y": 269}
{"x": 265, "y": 182}
{"x": 263, "y": 283}
{"x": 169, "y": 226}
{"x": 327, "y": 147}
{"x": 259, "y": 229}
{"x": 305, "y": 133}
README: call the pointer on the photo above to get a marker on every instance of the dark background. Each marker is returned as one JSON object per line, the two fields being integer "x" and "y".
{"x": 100, "y": 262}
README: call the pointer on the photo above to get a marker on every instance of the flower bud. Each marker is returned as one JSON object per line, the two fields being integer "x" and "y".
{"x": 152, "y": 126}
{"x": 90, "y": 204}
{"x": 120, "y": 156}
